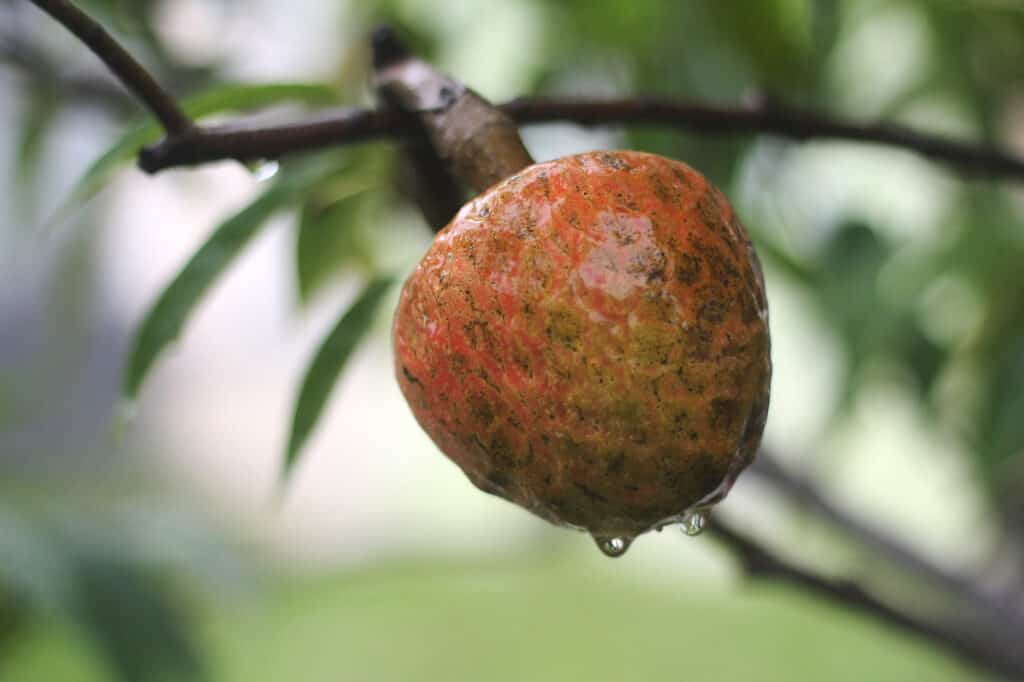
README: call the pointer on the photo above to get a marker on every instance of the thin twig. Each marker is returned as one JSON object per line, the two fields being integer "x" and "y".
{"x": 243, "y": 142}
{"x": 131, "y": 73}
{"x": 357, "y": 125}
{"x": 976, "y": 647}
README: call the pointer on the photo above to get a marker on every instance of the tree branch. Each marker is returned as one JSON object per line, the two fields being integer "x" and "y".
{"x": 422, "y": 174}
{"x": 357, "y": 125}
{"x": 243, "y": 142}
{"x": 131, "y": 73}
{"x": 996, "y": 654}
{"x": 764, "y": 116}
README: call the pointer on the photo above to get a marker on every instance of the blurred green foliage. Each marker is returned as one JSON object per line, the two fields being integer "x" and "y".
{"x": 109, "y": 578}
{"x": 330, "y": 359}
{"x": 936, "y": 309}
{"x": 552, "y": 618}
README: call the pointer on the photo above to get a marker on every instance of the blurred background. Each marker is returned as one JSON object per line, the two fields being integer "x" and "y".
{"x": 146, "y": 540}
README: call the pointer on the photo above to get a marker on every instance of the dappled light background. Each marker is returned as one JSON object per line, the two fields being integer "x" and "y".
{"x": 898, "y": 347}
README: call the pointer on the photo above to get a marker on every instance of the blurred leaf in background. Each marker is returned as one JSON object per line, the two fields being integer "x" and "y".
{"x": 117, "y": 585}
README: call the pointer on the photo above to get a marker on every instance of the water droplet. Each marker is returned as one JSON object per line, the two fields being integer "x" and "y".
{"x": 124, "y": 416}
{"x": 693, "y": 522}
{"x": 265, "y": 170}
{"x": 613, "y": 546}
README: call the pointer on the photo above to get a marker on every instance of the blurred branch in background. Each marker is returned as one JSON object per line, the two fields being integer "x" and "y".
{"x": 991, "y": 647}
{"x": 986, "y": 625}
{"x": 1004, "y": 607}
{"x": 33, "y": 64}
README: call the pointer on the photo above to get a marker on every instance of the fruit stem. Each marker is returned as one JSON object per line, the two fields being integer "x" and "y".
{"x": 478, "y": 142}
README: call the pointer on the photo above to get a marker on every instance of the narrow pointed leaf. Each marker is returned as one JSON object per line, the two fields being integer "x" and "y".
{"x": 330, "y": 359}
{"x": 165, "y": 319}
{"x": 222, "y": 98}
{"x": 40, "y": 114}
{"x": 328, "y": 240}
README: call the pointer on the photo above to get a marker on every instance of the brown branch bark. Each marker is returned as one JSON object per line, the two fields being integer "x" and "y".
{"x": 423, "y": 175}
{"x": 357, "y": 125}
{"x": 243, "y": 142}
{"x": 131, "y": 73}
{"x": 767, "y": 117}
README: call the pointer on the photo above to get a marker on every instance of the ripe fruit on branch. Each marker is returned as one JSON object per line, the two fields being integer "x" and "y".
{"x": 588, "y": 339}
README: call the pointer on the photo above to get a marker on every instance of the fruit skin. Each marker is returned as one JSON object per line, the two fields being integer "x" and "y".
{"x": 589, "y": 339}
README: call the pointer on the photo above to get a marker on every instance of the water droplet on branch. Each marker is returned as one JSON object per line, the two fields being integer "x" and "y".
{"x": 265, "y": 170}
{"x": 692, "y": 522}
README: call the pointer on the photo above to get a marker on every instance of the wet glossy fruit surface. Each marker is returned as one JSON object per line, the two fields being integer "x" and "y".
{"x": 589, "y": 339}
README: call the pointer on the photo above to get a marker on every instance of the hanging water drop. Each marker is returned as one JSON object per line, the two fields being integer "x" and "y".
{"x": 693, "y": 522}
{"x": 613, "y": 546}
{"x": 124, "y": 416}
{"x": 264, "y": 170}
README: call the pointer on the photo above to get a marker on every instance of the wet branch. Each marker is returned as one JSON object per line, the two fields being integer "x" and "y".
{"x": 357, "y": 125}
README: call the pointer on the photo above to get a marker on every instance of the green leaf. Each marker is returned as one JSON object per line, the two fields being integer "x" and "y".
{"x": 135, "y": 621}
{"x": 40, "y": 113}
{"x": 219, "y": 99}
{"x": 121, "y": 604}
{"x": 34, "y": 568}
{"x": 775, "y": 36}
{"x": 165, "y": 319}
{"x": 327, "y": 240}
{"x": 330, "y": 359}
{"x": 1001, "y": 428}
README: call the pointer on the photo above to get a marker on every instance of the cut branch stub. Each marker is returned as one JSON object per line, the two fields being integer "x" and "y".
{"x": 478, "y": 142}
